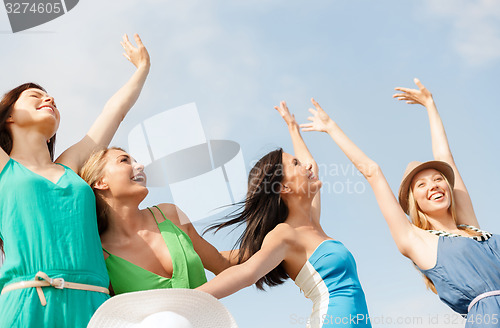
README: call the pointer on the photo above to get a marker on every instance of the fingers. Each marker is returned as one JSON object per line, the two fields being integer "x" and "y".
{"x": 126, "y": 56}
{"x": 312, "y": 111}
{"x": 315, "y": 103}
{"x": 418, "y": 83}
{"x": 138, "y": 40}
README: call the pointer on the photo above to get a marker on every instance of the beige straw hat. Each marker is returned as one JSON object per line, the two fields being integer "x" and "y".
{"x": 412, "y": 169}
{"x": 159, "y": 308}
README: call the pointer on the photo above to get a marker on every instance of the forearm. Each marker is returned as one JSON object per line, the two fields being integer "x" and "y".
{"x": 362, "y": 162}
{"x": 228, "y": 282}
{"x": 299, "y": 146}
{"x": 440, "y": 146}
{"x": 117, "y": 107}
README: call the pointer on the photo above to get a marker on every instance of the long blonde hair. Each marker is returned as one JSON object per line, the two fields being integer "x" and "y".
{"x": 93, "y": 171}
{"x": 419, "y": 219}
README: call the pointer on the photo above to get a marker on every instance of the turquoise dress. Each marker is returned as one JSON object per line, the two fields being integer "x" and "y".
{"x": 465, "y": 268}
{"x": 49, "y": 227}
{"x": 329, "y": 278}
{"x": 188, "y": 271}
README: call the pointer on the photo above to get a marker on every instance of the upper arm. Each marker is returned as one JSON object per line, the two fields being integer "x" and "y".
{"x": 76, "y": 155}
{"x": 402, "y": 230}
{"x": 463, "y": 203}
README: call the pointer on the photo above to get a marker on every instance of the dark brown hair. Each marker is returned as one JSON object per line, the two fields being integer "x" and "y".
{"x": 261, "y": 211}
{"x": 6, "y": 106}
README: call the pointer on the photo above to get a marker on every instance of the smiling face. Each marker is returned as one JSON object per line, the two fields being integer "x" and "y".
{"x": 431, "y": 191}
{"x": 299, "y": 179}
{"x": 33, "y": 106}
{"x": 123, "y": 175}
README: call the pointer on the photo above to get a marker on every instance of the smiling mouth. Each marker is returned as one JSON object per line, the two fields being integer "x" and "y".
{"x": 139, "y": 178}
{"x": 437, "y": 196}
{"x": 46, "y": 107}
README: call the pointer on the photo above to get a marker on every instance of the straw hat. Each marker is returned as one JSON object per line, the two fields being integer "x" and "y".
{"x": 159, "y": 308}
{"x": 412, "y": 169}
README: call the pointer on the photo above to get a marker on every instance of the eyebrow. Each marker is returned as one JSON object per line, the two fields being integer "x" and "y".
{"x": 124, "y": 155}
{"x": 39, "y": 92}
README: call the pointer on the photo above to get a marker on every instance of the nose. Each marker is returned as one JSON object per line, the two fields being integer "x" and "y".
{"x": 49, "y": 99}
{"x": 139, "y": 167}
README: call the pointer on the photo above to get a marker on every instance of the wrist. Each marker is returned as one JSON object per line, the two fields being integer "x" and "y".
{"x": 330, "y": 126}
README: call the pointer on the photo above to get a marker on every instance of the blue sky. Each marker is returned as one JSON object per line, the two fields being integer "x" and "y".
{"x": 236, "y": 60}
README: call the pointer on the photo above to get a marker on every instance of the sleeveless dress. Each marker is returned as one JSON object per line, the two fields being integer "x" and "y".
{"x": 188, "y": 271}
{"x": 49, "y": 227}
{"x": 330, "y": 280}
{"x": 465, "y": 268}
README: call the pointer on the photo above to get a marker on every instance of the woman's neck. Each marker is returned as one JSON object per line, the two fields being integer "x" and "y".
{"x": 125, "y": 218}
{"x": 299, "y": 212}
{"x": 31, "y": 149}
{"x": 443, "y": 222}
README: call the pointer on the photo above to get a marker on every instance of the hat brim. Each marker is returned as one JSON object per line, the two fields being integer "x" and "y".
{"x": 404, "y": 188}
{"x": 129, "y": 309}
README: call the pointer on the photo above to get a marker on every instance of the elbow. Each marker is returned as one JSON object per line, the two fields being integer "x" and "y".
{"x": 370, "y": 170}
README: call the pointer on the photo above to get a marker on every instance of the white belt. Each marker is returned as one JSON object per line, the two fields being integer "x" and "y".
{"x": 481, "y": 296}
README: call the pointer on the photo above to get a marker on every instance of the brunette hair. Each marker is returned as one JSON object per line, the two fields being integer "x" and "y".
{"x": 261, "y": 211}
{"x": 6, "y": 106}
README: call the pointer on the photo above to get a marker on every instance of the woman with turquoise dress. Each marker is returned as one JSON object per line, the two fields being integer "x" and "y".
{"x": 460, "y": 262}
{"x": 283, "y": 238}
{"x": 54, "y": 274}
{"x": 147, "y": 248}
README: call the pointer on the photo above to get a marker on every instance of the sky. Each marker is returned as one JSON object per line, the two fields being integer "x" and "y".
{"x": 236, "y": 60}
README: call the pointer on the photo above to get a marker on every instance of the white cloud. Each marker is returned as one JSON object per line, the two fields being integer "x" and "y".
{"x": 475, "y": 28}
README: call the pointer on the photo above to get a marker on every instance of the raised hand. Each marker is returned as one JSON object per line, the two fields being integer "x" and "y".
{"x": 421, "y": 96}
{"x": 320, "y": 121}
{"x": 285, "y": 113}
{"x": 139, "y": 55}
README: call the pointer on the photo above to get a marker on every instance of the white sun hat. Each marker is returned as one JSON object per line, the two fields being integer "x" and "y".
{"x": 162, "y": 308}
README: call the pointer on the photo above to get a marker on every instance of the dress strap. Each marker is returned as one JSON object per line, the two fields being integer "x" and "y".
{"x": 104, "y": 249}
{"x": 156, "y": 206}
{"x": 483, "y": 237}
{"x": 149, "y": 208}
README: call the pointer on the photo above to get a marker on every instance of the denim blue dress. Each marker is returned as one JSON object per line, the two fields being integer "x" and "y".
{"x": 466, "y": 268}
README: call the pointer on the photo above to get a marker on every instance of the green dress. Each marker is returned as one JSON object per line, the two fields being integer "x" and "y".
{"x": 49, "y": 227}
{"x": 188, "y": 271}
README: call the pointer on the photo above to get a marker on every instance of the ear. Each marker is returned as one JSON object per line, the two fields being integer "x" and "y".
{"x": 285, "y": 189}
{"x": 101, "y": 185}
{"x": 9, "y": 119}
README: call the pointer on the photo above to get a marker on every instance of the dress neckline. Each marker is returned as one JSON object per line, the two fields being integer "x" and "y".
{"x": 41, "y": 176}
{"x": 483, "y": 237}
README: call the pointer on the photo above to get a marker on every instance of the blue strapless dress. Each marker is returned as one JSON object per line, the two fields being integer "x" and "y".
{"x": 330, "y": 280}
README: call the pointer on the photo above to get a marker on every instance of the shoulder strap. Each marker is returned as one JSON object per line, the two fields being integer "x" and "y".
{"x": 156, "y": 206}
{"x": 104, "y": 249}
{"x": 154, "y": 214}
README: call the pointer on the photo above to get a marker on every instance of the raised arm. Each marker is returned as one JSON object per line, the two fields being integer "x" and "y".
{"x": 272, "y": 253}
{"x": 403, "y": 232}
{"x": 113, "y": 113}
{"x": 441, "y": 149}
{"x": 301, "y": 152}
